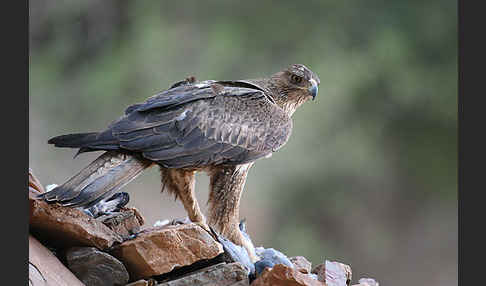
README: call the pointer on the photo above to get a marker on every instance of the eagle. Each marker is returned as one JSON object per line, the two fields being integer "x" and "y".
{"x": 216, "y": 126}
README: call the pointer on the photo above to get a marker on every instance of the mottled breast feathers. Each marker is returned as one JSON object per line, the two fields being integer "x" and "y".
{"x": 201, "y": 124}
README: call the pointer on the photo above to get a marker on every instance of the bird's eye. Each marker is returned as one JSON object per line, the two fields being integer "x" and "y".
{"x": 296, "y": 79}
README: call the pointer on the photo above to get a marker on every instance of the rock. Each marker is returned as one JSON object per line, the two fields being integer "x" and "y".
{"x": 35, "y": 277}
{"x": 65, "y": 227}
{"x": 160, "y": 250}
{"x": 125, "y": 223}
{"x": 34, "y": 183}
{"x": 284, "y": 275}
{"x": 143, "y": 282}
{"x": 222, "y": 274}
{"x": 140, "y": 282}
{"x": 333, "y": 273}
{"x": 241, "y": 283}
{"x": 301, "y": 264}
{"x": 46, "y": 269}
{"x": 367, "y": 282}
{"x": 35, "y": 188}
{"x": 32, "y": 195}
{"x": 94, "y": 267}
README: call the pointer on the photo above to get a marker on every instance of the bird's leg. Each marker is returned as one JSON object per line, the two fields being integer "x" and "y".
{"x": 181, "y": 183}
{"x": 226, "y": 187}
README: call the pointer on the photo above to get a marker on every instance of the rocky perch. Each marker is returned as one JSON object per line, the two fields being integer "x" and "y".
{"x": 67, "y": 246}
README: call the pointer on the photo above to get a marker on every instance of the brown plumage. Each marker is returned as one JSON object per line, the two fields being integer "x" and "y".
{"x": 220, "y": 127}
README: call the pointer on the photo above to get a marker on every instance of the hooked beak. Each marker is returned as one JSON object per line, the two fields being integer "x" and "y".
{"x": 313, "y": 89}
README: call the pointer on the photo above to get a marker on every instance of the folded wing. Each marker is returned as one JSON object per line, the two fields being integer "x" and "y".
{"x": 199, "y": 125}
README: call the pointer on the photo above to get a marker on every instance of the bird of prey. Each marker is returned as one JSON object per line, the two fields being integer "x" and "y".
{"x": 219, "y": 127}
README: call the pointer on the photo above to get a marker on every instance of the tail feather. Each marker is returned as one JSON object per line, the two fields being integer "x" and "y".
{"x": 100, "y": 179}
{"x": 74, "y": 140}
{"x": 87, "y": 142}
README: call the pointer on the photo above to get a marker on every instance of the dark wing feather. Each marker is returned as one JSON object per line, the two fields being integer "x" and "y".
{"x": 196, "y": 125}
{"x": 174, "y": 97}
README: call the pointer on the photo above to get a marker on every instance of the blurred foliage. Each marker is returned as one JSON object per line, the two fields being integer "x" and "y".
{"x": 369, "y": 176}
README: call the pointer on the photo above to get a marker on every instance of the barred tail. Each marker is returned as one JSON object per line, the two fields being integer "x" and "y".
{"x": 100, "y": 179}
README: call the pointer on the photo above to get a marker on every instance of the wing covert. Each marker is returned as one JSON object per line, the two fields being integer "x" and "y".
{"x": 207, "y": 125}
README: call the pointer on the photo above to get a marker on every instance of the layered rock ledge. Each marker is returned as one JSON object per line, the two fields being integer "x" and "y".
{"x": 69, "y": 247}
{"x": 160, "y": 250}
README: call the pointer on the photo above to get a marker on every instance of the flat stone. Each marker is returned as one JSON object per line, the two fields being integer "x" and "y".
{"x": 35, "y": 277}
{"x": 143, "y": 282}
{"x": 283, "y": 275}
{"x": 46, "y": 269}
{"x": 161, "y": 249}
{"x": 65, "y": 227}
{"x": 96, "y": 268}
{"x": 301, "y": 264}
{"x": 223, "y": 274}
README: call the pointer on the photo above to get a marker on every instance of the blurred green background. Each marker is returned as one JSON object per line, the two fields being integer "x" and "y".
{"x": 369, "y": 176}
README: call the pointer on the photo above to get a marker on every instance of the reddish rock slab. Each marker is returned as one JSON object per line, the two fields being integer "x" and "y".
{"x": 301, "y": 264}
{"x": 160, "y": 250}
{"x": 34, "y": 183}
{"x": 35, "y": 188}
{"x": 222, "y": 274}
{"x": 64, "y": 227}
{"x": 46, "y": 269}
{"x": 32, "y": 194}
{"x": 283, "y": 275}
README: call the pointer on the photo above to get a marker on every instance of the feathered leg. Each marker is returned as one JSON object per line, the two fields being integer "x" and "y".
{"x": 181, "y": 183}
{"x": 226, "y": 187}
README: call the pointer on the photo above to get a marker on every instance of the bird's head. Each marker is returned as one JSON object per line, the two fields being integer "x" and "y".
{"x": 294, "y": 86}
